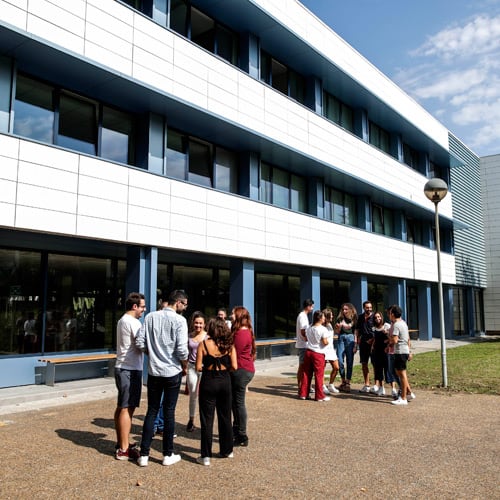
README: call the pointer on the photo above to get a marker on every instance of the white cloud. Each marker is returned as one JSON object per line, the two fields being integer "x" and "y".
{"x": 479, "y": 36}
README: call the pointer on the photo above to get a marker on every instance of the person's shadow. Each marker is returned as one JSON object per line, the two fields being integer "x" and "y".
{"x": 98, "y": 441}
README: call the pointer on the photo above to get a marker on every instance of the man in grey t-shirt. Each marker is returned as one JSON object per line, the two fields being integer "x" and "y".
{"x": 401, "y": 341}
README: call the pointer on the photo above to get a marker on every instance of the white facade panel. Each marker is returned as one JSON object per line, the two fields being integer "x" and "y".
{"x": 41, "y": 175}
{"x": 100, "y": 169}
{"x": 45, "y": 198}
{"x": 41, "y": 154}
{"x": 15, "y": 13}
{"x": 99, "y": 208}
{"x": 48, "y": 221}
{"x": 8, "y": 191}
{"x": 100, "y": 188}
{"x": 103, "y": 229}
{"x": 7, "y": 214}
{"x": 8, "y": 170}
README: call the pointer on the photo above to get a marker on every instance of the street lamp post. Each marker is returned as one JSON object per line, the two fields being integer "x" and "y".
{"x": 436, "y": 189}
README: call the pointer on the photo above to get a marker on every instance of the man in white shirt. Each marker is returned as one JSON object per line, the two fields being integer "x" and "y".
{"x": 128, "y": 373}
{"x": 300, "y": 330}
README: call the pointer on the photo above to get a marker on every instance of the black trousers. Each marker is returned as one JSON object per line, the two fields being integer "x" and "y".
{"x": 215, "y": 395}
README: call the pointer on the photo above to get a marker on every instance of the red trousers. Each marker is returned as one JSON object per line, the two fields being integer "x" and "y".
{"x": 314, "y": 363}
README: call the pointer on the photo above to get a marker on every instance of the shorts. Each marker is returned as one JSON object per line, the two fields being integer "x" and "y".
{"x": 364, "y": 352}
{"x": 400, "y": 361}
{"x": 129, "y": 385}
{"x": 301, "y": 352}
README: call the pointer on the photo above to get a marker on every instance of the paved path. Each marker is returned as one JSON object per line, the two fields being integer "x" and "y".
{"x": 442, "y": 446}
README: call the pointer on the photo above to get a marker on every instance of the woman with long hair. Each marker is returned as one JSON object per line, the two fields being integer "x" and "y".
{"x": 344, "y": 327}
{"x": 379, "y": 354}
{"x": 330, "y": 353}
{"x": 215, "y": 358}
{"x": 197, "y": 334}
{"x": 244, "y": 344}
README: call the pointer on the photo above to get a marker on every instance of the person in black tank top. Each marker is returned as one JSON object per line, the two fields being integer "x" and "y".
{"x": 216, "y": 357}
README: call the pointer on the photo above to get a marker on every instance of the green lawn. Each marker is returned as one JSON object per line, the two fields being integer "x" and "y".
{"x": 473, "y": 368}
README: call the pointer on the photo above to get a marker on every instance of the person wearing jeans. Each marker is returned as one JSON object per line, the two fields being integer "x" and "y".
{"x": 244, "y": 344}
{"x": 344, "y": 327}
{"x": 164, "y": 337}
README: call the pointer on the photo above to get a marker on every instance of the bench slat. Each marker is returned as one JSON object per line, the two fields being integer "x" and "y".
{"x": 77, "y": 359}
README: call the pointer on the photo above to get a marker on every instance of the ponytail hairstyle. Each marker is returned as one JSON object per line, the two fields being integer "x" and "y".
{"x": 242, "y": 320}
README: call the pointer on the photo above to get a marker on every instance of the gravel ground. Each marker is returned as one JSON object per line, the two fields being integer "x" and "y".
{"x": 354, "y": 446}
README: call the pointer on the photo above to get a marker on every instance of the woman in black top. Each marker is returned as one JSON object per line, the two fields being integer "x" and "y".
{"x": 216, "y": 356}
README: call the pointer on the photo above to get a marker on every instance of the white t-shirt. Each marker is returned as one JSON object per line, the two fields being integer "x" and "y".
{"x": 302, "y": 324}
{"x": 128, "y": 356}
{"x": 329, "y": 350}
{"x": 314, "y": 335}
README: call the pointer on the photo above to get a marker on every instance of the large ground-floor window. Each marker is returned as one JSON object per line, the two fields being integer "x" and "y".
{"x": 53, "y": 302}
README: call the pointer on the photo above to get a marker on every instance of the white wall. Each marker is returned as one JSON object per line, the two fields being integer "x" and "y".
{"x": 47, "y": 189}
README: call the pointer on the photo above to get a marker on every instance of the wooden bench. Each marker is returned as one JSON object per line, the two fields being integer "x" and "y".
{"x": 267, "y": 346}
{"x": 50, "y": 373}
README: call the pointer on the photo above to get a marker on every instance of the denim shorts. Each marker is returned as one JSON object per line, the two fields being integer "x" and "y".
{"x": 129, "y": 385}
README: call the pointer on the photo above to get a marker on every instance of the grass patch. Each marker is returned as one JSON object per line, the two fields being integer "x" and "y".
{"x": 472, "y": 368}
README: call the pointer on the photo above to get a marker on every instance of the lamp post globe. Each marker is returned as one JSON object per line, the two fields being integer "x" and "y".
{"x": 435, "y": 189}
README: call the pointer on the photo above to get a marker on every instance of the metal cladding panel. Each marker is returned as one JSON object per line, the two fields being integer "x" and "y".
{"x": 470, "y": 254}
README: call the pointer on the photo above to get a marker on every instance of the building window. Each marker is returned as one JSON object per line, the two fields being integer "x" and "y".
{"x": 281, "y": 77}
{"x": 410, "y": 156}
{"x": 382, "y": 220}
{"x": 56, "y": 116}
{"x": 414, "y": 231}
{"x": 203, "y": 30}
{"x": 338, "y": 112}
{"x": 379, "y": 137}
{"x": 34, "y": 110}
{"x": 340, "y": 207}
{"x": 280, "y": 188}
{"x": 194, "y": 160}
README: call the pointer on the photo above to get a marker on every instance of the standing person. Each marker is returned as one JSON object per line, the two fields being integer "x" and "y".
{"x": 378, "y": 354}
{"x": 300, "y": 329}
{"x": 330, "y": 353}
{"x": 164, "y": 337}
{"x": 364, "y": 339}
{"x": 197, "y": 334}
{"x": 222, "y": 314}
{"x": 216, "y": 356}
{"x": 344, "y": 327}
{"x": 128, "y": 374}
{"x": 401, "y": 341}
{"x": 244, "y": 344}
{"x": 314, "y": 358}
{"x": 392, "y": 378}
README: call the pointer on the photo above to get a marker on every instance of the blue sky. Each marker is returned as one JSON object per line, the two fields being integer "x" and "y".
{"x": 443, "y": 53}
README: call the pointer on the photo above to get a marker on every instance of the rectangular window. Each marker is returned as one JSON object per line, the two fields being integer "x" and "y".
{"x": 410, "y": 156}
{"x": 34, "y": 110}
{"x": 117, "y": 136}
{"x": 176, "y": 155}
{"x": 414, "y": 231}
{"x": 77, "y": 124}
{"x": 226, "y": 45}
{"x": 265, "y": 185}
{"x": 340, "y": 207}
{"x": 379, "y": 137}
{"x": 202, "y": 30}
{"x": 382, "y": 220}
{"x": 298, "y": 197}
{"x": 226, "y": 170}
{"x": 338, "y": 112}
{"x": 179, "y": 17}
{"x": 281, "y": 192}
{"x": 200, "y": 164}
{"x": 282, "y": 78}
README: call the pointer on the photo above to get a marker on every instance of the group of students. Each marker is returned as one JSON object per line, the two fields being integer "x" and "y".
{"x": 321, "y": 342}
{"x": 217, "y": 358}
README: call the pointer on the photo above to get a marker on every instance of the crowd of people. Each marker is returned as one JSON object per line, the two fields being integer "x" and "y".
{"x": 216, "y": 356}
{"x": 386, "y": 344}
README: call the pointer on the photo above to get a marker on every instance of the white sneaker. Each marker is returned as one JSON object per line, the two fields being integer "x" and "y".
{"x": 411, "y": 395}
{"x": 365, "y": 388}
{"x": 326, "y": 398}
{"x": 325, "y": 390}
{"x": 381, "y": 391}
{"x": 171, "y": 460}
{"x": 374, "y": 389}
{"x": 399, "y": 402}
{"x": 142, "y": 461}
{"x": 332, "y": 389}
{"x": 203, "y": 460}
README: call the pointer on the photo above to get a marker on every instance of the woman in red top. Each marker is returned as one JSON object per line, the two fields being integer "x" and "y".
{"x": 244, "y": 344}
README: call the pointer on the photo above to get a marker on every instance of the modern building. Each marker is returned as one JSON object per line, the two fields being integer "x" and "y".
{"x": 490, "y": 177}
{"x": 239, "y": 150}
